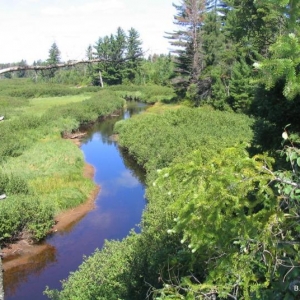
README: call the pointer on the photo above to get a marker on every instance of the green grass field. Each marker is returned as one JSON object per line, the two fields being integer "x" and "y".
{"x": 40, "y": 105}
{"x": 41, "y": 173}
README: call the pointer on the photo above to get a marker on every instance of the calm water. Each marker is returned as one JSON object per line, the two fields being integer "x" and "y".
{"x": 119, "y": 207}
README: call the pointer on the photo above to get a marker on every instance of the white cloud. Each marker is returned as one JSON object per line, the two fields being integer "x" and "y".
{"x": 127, "y": 180}
{"x": 27, "y": 31}
{"x": 52, "y": 11}
{"x": 97, "y": 6}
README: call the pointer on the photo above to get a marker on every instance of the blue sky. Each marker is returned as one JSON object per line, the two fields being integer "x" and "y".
{"x": 29, "y": 27}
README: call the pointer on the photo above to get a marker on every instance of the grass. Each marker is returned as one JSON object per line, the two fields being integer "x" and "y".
{"x": 40, "y": 105}
{"x": 160, "y": 108}
{"x": 41, "y": 173}
{"x": 53, "y": 170}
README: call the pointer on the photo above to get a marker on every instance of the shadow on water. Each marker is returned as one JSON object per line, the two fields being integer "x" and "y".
{"x": 118, "y": 209}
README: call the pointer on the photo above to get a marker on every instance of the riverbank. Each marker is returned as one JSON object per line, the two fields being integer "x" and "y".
{"x": 22, "y": 251}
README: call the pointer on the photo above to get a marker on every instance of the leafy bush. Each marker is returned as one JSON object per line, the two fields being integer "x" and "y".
{"x": 156, "y": 140}
{"x": 101, "y": 276}
{"x": 21, "y": 213}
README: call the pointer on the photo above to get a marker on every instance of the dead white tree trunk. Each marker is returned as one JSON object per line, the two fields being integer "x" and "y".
{"x": 62, "y": 65}
{"x": 100, "y": 77}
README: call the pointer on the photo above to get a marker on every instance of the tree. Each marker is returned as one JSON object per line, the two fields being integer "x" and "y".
{"x": 133, "y": 49}
{"x": 214, "y": 73}
{"x": 54, "y": 55}
{"x": 277, "y": 100}
{"x": 22, "y": 73}
{"x": 53, "y": 59}
{"x": 188, "y": 43}
{"x": 157, "y": 69}
{"x": 115, "y": 50}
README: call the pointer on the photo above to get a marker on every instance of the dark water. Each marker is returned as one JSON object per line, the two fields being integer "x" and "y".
{"x": 119, "y": 207}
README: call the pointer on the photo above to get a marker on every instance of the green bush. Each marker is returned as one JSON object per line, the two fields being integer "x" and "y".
{"x": 156, "y": 140}
{"x": 20, "y": 213}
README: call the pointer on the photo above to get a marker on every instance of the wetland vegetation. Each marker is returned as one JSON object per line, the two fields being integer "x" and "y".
{"x": 220, "y": 151}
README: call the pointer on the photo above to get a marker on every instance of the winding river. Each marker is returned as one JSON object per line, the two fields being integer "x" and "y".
{"x": 118, "y": 209}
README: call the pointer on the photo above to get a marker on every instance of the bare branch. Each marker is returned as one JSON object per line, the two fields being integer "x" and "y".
{"x": 276, "y": 178}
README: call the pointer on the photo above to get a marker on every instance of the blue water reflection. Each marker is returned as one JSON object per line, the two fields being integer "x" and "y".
{"x": 119, "y": 207}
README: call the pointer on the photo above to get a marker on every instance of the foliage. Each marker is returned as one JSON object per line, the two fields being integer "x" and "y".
{"x": 144, "y": 93}
{"x": 228, "y": 211}
{"x": 27, "y": 89}
{"x": 40, "y": 172}
{"x": 229, "y": 190}
{"x": 157, "y": 69}
{"x": 156, "y": 140}
{"x": 53, "y": 59}
{"x": 108, "y": 280}
{"x": 276, "y": 102}
{"x": 282, "y": 65}
{"x": 20, "y": 213}
{"x": 121, "y": 53}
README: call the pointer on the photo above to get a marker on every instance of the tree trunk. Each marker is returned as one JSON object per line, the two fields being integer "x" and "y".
{"x": 100, "y": 77}
{"x": 62, "y": 65}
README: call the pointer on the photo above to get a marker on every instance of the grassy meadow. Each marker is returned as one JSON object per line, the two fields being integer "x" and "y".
{"x": 41, "y": 173}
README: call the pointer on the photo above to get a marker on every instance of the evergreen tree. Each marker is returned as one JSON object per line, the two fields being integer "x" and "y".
{"x": 277, "y": 101}
{"x": 120, "y": 53}
{"x": 102, "y": 48}
{"x": 188, "y": 43}
{"x": 213, "y": 54}
{"x": 54, "y": 55}
{"x": 53, "y": 59}
{"x": 133, "y": 54}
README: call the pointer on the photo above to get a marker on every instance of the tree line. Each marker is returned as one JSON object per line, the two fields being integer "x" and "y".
{"x": 113, "y": 59}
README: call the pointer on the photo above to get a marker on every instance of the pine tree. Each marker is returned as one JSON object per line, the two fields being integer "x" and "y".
{"x": 54, "y": 55}
{"x": 120, "y": 53}
{"x": 188, "y": 43}
{"x": 53, "y": 59}
{"x": 277, "y": 101}
{"x": 132, "y": 53}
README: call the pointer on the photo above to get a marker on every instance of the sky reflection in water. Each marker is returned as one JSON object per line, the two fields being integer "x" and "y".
{"x": 118, "y": 209}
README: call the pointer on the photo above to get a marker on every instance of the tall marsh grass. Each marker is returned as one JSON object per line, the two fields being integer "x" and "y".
{"x": 144, "y": 93}
{"x": 42, "y": 174}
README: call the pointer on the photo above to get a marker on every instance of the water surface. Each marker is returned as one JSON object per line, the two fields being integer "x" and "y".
{"x": 119, "y": 207}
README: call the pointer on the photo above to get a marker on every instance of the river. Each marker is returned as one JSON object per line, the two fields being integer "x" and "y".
{"x": 118, "y": 209}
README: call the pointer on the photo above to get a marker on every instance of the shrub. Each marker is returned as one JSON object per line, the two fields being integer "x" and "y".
{"x": 156, "y": 140}
{"x": 23, "y": 213}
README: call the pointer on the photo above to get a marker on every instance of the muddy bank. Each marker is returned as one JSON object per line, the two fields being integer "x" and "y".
{"x": 22, "y": 252}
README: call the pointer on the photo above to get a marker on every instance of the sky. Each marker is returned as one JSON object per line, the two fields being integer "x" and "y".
{"x": 28, "y": 28}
